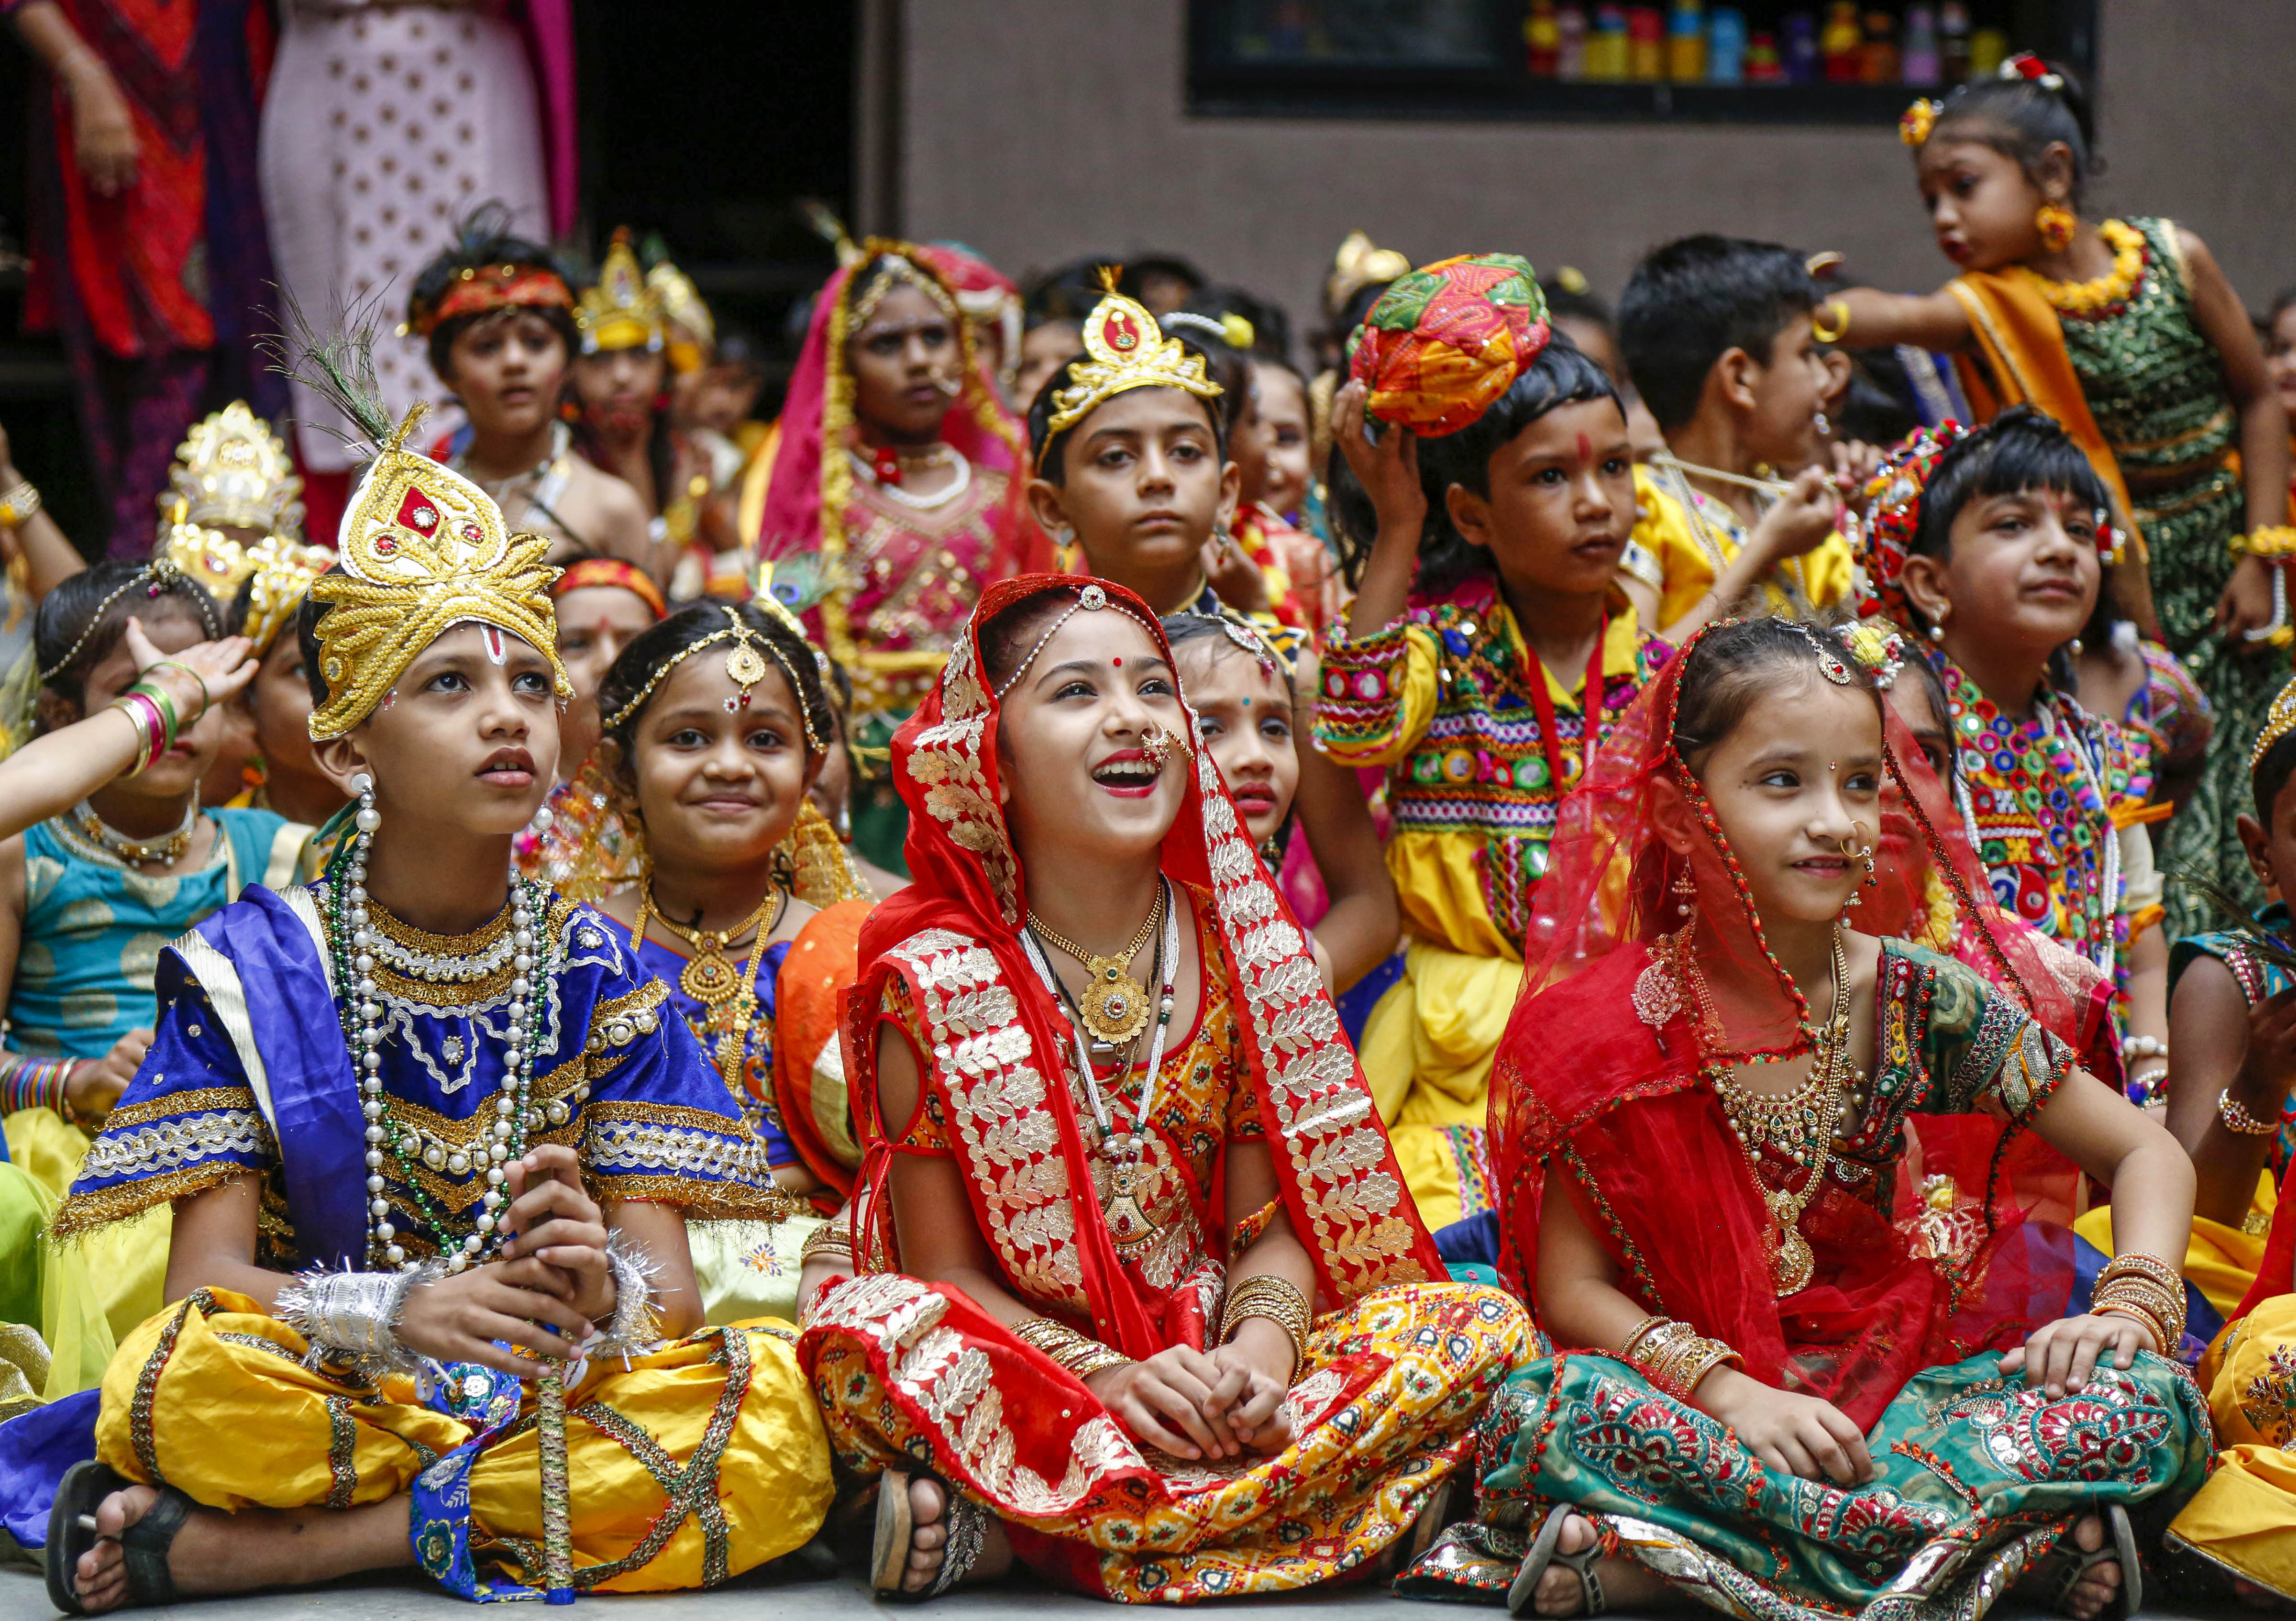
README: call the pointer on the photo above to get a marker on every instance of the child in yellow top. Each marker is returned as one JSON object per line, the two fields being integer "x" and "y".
{"x": 1718, "y": 335}
{"x": 1487, "y": 630}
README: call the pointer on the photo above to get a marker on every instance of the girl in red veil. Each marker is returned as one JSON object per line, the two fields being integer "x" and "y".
{"x": 1141, "y": 1302}
{"x": 1773, "y": 1186}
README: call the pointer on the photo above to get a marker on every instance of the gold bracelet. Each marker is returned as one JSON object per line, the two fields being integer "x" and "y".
{"x": 1072, "y": 1352}
{"x": 1279, "y": 1300}
{"x": 1836, "y": 333}
{"x": 829, "y": 1238}
{"x": 2269, "y": 541}
{"x": 2143, "y": 1319}
{"x": 19, "y": 505}
{"x": 2156, "y": 1303}
{"x": 2137, "y": 1262}
{"x": 2237, "y": 1118}
{"x": 1626, "y": 1347}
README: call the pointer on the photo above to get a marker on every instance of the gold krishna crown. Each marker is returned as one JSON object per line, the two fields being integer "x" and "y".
{"x": 231, "y": 471}
{"x": 422, "y": 550}
{"x": 2278, "y": 722}
{"x": 279, "y": 572}
{"x": 681, "y": 301}
{"x": 621, "y": 311}
{"x": 1124, "y": 349}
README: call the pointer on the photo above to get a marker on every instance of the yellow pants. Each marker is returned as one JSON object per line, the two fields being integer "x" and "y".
{"x": 127, "y": 1261}
{"x": 1427, "y": 1051}
{"x": 212, "y": 1397}
{"x": 2243, "y": 1519}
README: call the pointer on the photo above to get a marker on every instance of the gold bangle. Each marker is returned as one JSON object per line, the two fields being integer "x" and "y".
{"x": 827, "y": 1239}
{"x": 2137, "y": 1262}
{"x": 2156, "y": 1303}
{"x": 2237, "y": 1118}
{"x": 1840, "y": 329}
{"x": 2143, "y": 1319}
{"x": 1074, "y": 1352}
{"x": 19, "y": 505}
{"x": 1626, "y": 1347}
{"x": 1279, "y": 1300}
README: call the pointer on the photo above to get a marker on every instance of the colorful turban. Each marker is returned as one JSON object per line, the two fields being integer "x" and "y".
{"x": 1444, "y": 343}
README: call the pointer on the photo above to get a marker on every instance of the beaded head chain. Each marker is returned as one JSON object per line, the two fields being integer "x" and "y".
{"x": 158, "y": 578}
{"x": 745, "y": 667}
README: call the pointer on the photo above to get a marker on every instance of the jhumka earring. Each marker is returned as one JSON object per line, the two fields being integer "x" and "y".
{"x": 2055, "y": 222}
{"x": 1685, "y": 890}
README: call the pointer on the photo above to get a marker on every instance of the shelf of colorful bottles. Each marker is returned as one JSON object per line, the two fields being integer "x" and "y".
{"x": 1555, "y": 58}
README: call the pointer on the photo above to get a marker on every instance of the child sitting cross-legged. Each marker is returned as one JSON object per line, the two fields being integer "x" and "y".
{"x": 1779, "y": 1181}
{"x": 426, "y": 1126}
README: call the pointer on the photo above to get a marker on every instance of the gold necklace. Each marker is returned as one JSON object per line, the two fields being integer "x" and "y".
{"x": 2107, "y": 290}
{"x": 1799, "y": 1125}
{"x": 730, "y": 1001}
{"x": 169, "y": 849}
{"x": 1114, "y": 1005}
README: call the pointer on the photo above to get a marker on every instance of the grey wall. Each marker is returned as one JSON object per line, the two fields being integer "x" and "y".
{"x": 1040, "y": 129}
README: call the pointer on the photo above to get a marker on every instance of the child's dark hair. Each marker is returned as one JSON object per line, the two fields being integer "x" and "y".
{"x": 1878, "y": 406}
{"x": 1568, "y": 298}
{"x": 1562, "y": 375}
{"x": 1736, "y": 662}
{"x": 1051, "y": 449}
{"x": 1271, "y": 328}
{"x": 739, "y": 352}
{"x": 2271, "y": 774}
{"x": 1218, "y": 639}
{"x": 1225, "y": 364}
{"x": 1692, "y": 301}
{"x": 657, "y": 644}
{"x": 2022, "y": 118}
{"x": 82, "y": 620}
{"x": 1924, "y": 675}
{"x": 484, "y": 238}
{"x": 2021, "y": 448}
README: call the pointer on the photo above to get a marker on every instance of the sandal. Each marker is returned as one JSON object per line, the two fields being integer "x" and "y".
{"x": 2120, "y": 1546}
{"x": 1426, "y": 1525}
{"x": 71, "y": 1532}
{"x": 897, "y": 1526}
{"x": 1542, "y": 1554}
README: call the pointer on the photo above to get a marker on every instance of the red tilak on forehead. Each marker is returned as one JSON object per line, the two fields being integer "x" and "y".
{"x": 1586, "y": 449}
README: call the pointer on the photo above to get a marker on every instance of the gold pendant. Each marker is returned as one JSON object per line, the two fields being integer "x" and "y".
{"x": 709, "y": 979}
{"x": 1128, "y": 1226}
{"x": 1792, "y": 1266}
{"x": 1115, "y": 1006}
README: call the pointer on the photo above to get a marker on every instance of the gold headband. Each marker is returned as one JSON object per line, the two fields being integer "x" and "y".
{"x": 2278, "y": 722}
{"x": 621, "y": 311}
{"x": 423, "y": 549}
{"x": 745, "y": 667}
{"x": 1124, "y": 349}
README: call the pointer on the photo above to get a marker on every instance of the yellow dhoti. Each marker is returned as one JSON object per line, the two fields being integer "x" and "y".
{"x": 1427, "y": 1051}
{"x": 2243, "y": 1519}
{"x": 698, "y": 1461}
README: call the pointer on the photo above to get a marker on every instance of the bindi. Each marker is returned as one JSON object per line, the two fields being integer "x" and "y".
{"x": 1585, "y": 451}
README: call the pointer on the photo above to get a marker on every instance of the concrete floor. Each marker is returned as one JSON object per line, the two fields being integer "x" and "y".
{"x": 23, "y": 1598}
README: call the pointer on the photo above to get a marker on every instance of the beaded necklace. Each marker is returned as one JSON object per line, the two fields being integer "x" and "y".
{"x": 2028, "y": 790}
{"x": 354, "y": 946}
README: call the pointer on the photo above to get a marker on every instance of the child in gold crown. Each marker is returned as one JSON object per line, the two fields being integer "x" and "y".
{"x": 401, "y": 1229}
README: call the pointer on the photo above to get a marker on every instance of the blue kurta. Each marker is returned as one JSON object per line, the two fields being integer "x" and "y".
{"x": 250, "y": 1072}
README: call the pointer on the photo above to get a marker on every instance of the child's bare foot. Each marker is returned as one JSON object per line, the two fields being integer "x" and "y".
{"x": 1628, "y": 1585}
{"x": 929, "y": 1503}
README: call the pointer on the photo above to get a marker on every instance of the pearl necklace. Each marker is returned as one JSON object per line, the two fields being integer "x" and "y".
{"x": 355, "y": 942}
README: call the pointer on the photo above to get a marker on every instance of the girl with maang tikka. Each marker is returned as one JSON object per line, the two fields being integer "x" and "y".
{"x": 1778, "y": 1188}
{"x": 888, "y": 495}
{"x": 1060, "y": 1348}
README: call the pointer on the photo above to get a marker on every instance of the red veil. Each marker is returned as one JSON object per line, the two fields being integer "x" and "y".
{"x": 956, "y": 934}
{"x": 1599, "y": 1076}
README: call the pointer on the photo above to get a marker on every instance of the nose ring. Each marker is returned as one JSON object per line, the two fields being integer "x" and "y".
{"x": 1157, "y": 744}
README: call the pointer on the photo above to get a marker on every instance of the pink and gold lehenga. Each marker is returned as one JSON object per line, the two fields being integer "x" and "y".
{"x": 913, "y": 1373}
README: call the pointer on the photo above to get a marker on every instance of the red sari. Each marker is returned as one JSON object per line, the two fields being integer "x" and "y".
{"x": 906, "y": 1370}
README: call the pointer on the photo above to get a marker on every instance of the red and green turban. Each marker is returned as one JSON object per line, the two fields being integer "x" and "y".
{"x": 1447, "y": 341}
